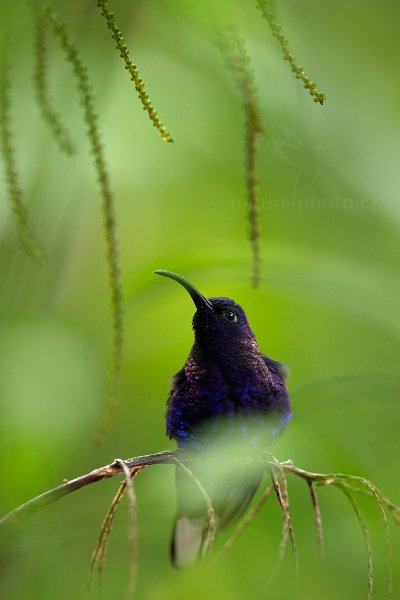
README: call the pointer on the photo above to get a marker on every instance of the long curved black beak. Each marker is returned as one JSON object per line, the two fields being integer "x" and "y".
{"x": 198, "y": 298}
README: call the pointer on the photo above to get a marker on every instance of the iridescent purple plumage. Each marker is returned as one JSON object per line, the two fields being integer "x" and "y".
{"x": 225, "y": 376}
{"x": 227, "y": 391}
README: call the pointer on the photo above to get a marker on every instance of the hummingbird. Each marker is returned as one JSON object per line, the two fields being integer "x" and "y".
{"x": 228, "y": 395}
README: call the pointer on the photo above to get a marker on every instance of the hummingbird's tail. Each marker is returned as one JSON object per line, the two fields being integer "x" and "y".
{"x": 188, "y": 541}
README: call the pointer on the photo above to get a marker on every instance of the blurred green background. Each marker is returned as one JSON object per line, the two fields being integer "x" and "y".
{"x": 328, "y": 305}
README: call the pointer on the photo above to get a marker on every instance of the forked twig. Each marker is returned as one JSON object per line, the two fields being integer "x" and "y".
{"x": 373, "y": 491}
{"x": 170, "y": 457}
{"x": 287, "y": 528}
{"x": 129, "y": 475}
{"x": 349, "y": 484}
{"x": 317, "y": 518}
{"x": 387, "y": 540}
{"x": 364, "y": 528}
{"x": 111, "y": 470}
{"x": 99, "y": 552}
{"x": 98, "y": 556}
{"x": 210, "y": 524}
{"x": 286, "y": 518}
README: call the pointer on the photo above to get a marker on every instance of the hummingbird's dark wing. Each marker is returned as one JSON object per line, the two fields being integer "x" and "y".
{"x": 193, "y": 402}
{"x": 276, "y": 367}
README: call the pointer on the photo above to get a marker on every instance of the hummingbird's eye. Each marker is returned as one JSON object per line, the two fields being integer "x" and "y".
{"x": 231, "y": 316}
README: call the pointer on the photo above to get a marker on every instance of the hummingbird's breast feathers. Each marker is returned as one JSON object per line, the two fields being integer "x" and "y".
{"x": 207, "y": 391}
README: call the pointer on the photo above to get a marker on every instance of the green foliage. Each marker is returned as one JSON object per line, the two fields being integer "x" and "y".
{"x": 238, "y": 62}
{"x": 26, "y": 237}
{"x": 327, "y": 304}
{"x": 91, "y": 119}
{"x": 266, "y": 10}
{"x": 41, "y": 87}
{"x": 132, "y": 69}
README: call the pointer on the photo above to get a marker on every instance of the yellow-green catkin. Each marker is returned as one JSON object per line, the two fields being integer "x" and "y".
{"x": 90, "y": 117}
{"x": 238, "y": 63}
{"x": 266, "y": 10}
{"x": 132, "y": 69}
{"x": 41, "y": 88}
{"x": 26, "y": 238}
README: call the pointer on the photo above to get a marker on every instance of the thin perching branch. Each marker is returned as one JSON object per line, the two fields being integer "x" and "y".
{"x": 184, "y": 455}
{"x": 111, "y": 470}
{"x": 349, "y": 484}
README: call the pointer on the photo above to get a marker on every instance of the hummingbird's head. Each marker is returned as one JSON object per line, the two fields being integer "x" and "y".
{"x": 217, "y": 320}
